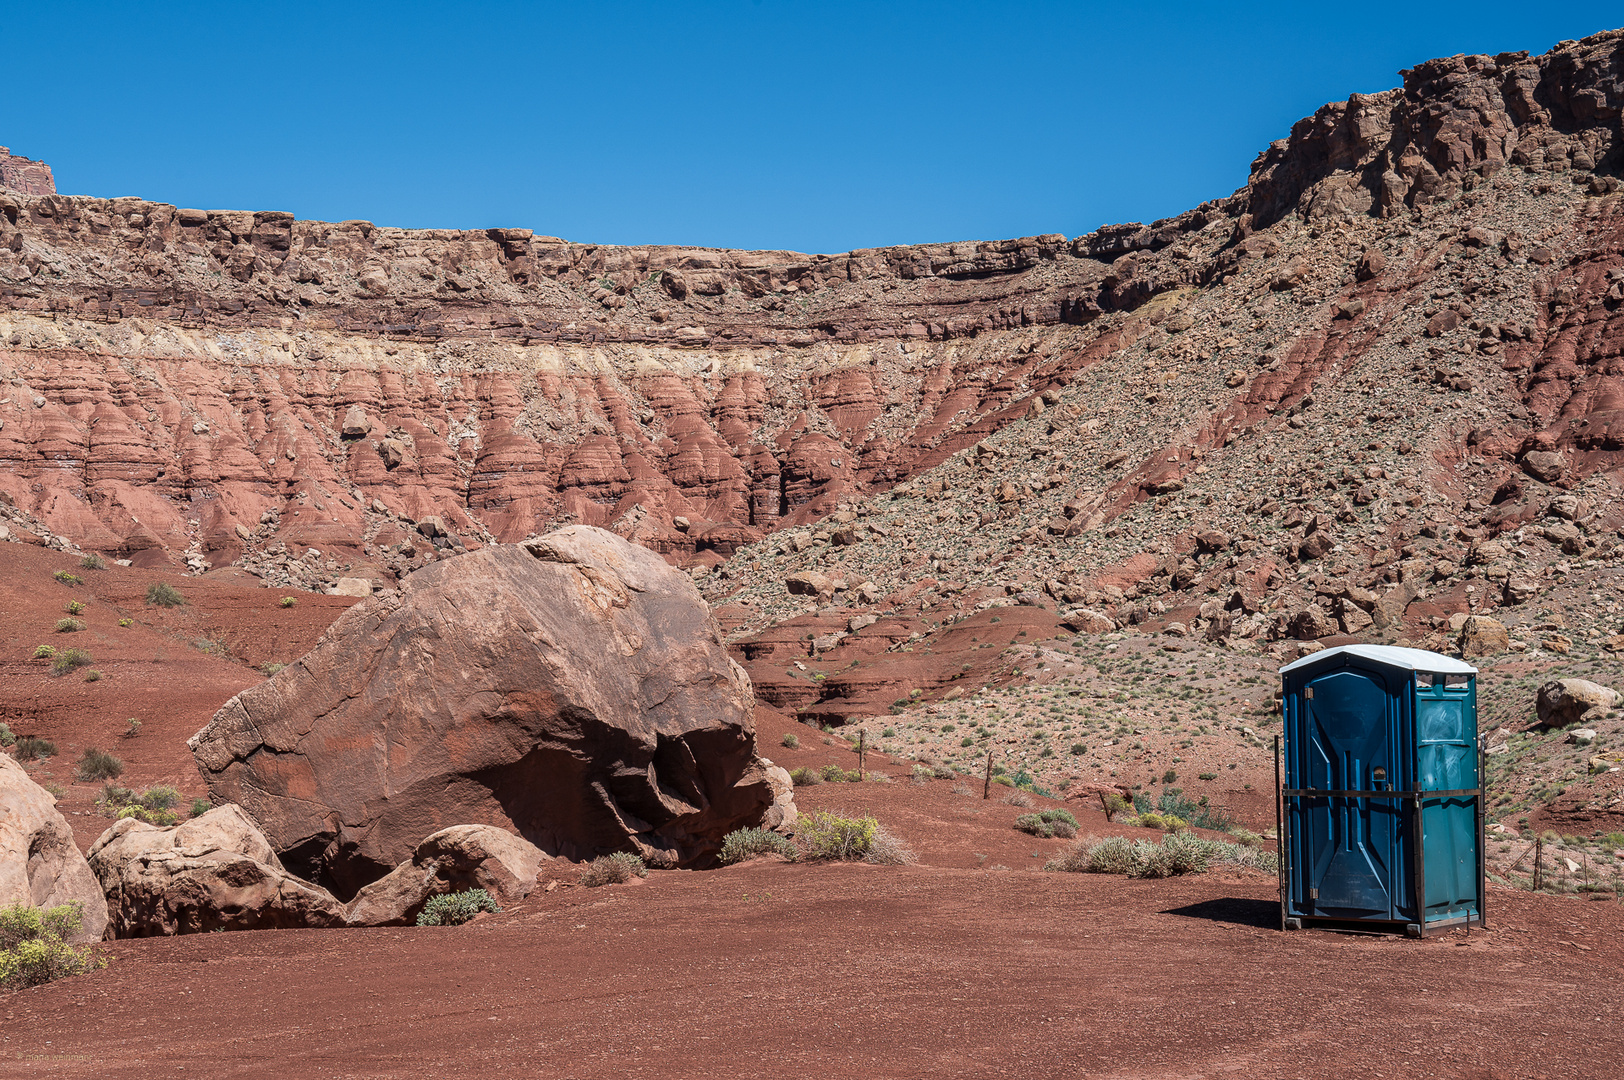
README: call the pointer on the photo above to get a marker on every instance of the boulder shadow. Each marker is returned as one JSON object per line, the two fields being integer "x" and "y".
{"x": 1246, "y": 911}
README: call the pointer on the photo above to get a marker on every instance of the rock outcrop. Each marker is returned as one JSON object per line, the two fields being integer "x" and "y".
{"x": 573, "y": 689}
{"x": 214, "y": 872}
{"x": 452, "y": 860}
{"x": 39, "y": 862}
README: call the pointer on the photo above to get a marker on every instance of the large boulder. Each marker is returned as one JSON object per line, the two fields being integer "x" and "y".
{"x": 1573, "y": 701}
{"x": 1483, "y": 636}
{"x": 573, "y": 689}
{"x": 39, "y": 862}
{"x": 452, "y": 860}
{"x": 214, "y": 872}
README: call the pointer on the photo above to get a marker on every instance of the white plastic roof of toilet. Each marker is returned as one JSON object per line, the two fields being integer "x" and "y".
{"x": 1393, "y": 655}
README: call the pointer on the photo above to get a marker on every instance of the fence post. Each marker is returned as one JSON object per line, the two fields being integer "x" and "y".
{"x": 862, "y": 753}
{"x": 986, "y": 784}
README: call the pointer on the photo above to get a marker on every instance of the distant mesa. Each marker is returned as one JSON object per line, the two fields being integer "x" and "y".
{"x": 25, "y": 176}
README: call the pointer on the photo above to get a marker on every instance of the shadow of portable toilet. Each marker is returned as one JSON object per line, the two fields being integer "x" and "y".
{"x": 1380, "y": 813}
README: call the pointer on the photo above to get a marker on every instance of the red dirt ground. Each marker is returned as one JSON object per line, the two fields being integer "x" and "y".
{"x": 972, "y": 963}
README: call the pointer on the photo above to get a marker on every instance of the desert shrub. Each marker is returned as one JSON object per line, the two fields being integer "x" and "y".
{"x": 888, "y": 850}
{"x": 615, "y": 869}
{"x": 162, "y": 594}
{"x": 834, "y": 774}
{"x": 1018, "y": 798}
{"x": 1176, "y": 854}
{"x": 126, "y": 623}
{"x": 271, "y": 667}
{"x": 154, "y": 805}
{"x": 6, "y": 737}
{"x": 200, "y": 806}
{"x": 791, "y": 741}
{"x": 454, "y": 909}
{"x": 67, "y": 579}
{"x": 32, "y": 748}
{"x": 874, "y": 776}
{"x": 1114, "y": 805}
{"x": 92, "y": 675}
{"x": 942, "y": 772}
{"x": 288, "y": 601}
{"x": 67, "y": 660}
{"x": 44, "y": 652}
{"x": 822, "y": 835}
{"x": 69, "y": 626}
{"x": 93, "y": 562}
{"x": 1170, "y": 776}
{"x": 805, "y": 776}
{"x": 34, "y": 945}
{"x": 1047, "y": 823}
{"x": 922, "y": 774}
{"x": 1198, "y": 815}
{"x": 132, "y": 727}
{"x": 742, "y": 844}
{"x": 75, "y": 607}
{"x": 99, "y": 765}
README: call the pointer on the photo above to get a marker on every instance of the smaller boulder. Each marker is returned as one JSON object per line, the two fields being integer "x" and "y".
{"x": 39, "y": 863}
{"x": 1573, "y": 701}
{"x": 214, "y": 872}
{"x": 457, "y": 859}
{"x": 809, "y": 583}
{"x": 1544, "y": 465}
{"x": 1583, "y": 736}
{"x": 352, "y": 586}
{"x": 356, "y": 423}
{"x": 1087, "y": 621}
{"x": 1481, "y": 636}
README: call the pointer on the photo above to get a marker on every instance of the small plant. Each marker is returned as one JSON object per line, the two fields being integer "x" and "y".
{"x": 1179, "y": 853}
{"x": 271, "y": 667}
{"x": 69, "y": 660}
{"x": 1208, "y": 776}
{"x": 75, "y": 607}
{"x": 162, "y": 594}
{"x": 922, "y": 774}
{"x": 287, "y": 601}
{"x": 1170, "y": 776}
{"x": 69, "y": 626}
{"x": 126, "y": 623}
{"x": 99, "y": 765}
{"x": 822, "y": 835}
{"x": 889, "y": 733}
{"x": 742, "y": 844}
{"x": 92, "y": 675}
{"x": 44, "y": 652}
{"x": 834, "y": 774}
{"x": 805, "y": 776}
{"x": 67, "y": 579}
{"x": 154, "y": 805}
{"x": 1048, "y": 823}
{"x": 33, "y": 748}
{"x": 615, "y": 869}
{"x": 200, "y": 806}
{"x": 1018, "y": 798}
{"x": 791, "y": 742}
{"x": 6, "y": 737}
{"x": 93, "y": 562}
{"x": 454, "y": 909}
{"x": 132, "y": 728}
{"x": 34, "y": 945}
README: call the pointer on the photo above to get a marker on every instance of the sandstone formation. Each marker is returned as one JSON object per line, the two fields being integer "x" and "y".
{"x": 39, "y": 862}
{"x": 1573, "y": 701}
{"x": 573, "y": 689}
{"x": 457, "y": 859}
{"x": 214, "y": 872}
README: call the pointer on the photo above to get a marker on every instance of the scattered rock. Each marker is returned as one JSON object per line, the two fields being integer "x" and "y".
{"x": 1573, "y": 701}
{"x": 452, "y": 860}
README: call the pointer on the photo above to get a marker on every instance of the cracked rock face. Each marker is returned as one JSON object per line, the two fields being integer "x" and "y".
{"x": 573, "y": 688}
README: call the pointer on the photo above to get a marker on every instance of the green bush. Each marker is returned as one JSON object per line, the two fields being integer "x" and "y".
{"x": 288, "y": 601}
{"x": 67, "y": 579}
{"x": 742, "y": 844}
{"x": 31, "y": 748}
{"x": 200, "y": 806}
{"x": 614, "y": 869}
{"x": 34, "y": 945}
{"x": 454, "y": 909}
{"x": 92, "y": 675}
{"x": 99, "y": 765}
{"x": 824, "y": 835}
{"x": 6, "y": 737}
{"x": 44, "y": 652}
{"x": 75, "y": 607}
{"x": 126, "y": 623}
{"x": 791, "y": 742}
{"x": 163, "y": 594}
{"x": 93, "y": 562}
{"x": 154, "y": 805}
{"x": 67, "y": 660}
{"x": 1176, "y": 854}
{"x": 69, "y": 626}
{"x": 805, "y": 776}
{"x": 1048, "y": 823}
{"x": 834, "y": 774}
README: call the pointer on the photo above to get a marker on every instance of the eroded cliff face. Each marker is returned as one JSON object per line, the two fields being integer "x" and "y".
{"x": 222, "y": 385}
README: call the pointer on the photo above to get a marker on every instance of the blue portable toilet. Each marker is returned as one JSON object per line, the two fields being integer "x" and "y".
{"x": 1380, "y": 812}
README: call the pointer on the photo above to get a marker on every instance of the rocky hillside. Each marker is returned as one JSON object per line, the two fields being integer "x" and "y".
{"x": 1382, "y": 369}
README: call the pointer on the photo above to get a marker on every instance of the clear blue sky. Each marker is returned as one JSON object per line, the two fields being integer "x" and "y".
{"x": 816, "y": 125}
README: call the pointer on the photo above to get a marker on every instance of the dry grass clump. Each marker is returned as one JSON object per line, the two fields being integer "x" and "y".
{"x": 744, "y": 844}
{"x": 615, "y": 869}
{"x": 1018, "y": 798}
{"x": 822, "y": 835}
{"x": 1048, "y": 823}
